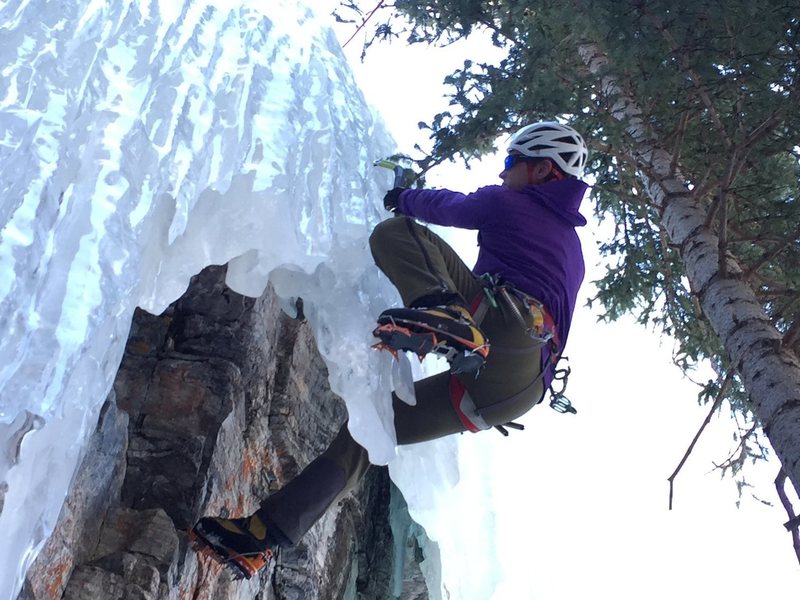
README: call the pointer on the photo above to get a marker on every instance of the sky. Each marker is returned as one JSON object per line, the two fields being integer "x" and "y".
{"x": 582, "y": 509}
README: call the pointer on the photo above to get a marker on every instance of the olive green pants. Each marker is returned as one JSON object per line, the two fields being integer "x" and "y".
{"x": 419, "y": 263}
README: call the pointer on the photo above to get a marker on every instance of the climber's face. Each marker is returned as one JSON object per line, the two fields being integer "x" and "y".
{"x": 520, "y": 171}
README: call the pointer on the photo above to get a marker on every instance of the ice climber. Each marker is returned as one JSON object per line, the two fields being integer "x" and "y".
{"x": 502, "y": 324}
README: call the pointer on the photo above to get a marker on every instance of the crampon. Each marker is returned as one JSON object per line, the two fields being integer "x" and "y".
{"x": 401, "y": 330}
{"x": 242, "y": 565}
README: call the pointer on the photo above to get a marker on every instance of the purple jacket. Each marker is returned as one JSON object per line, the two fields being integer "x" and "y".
{"x": 527, "y": 236}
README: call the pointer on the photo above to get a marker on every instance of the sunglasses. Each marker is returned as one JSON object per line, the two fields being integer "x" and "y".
{"x": 513, "y": 159}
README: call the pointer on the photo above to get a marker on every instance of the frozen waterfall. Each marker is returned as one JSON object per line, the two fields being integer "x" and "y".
{"x": 139, "y": 142}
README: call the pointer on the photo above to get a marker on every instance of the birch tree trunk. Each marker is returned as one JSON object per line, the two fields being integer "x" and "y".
{"x": 769, "y": 371}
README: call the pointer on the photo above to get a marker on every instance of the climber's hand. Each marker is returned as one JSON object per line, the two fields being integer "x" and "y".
{"x": 391, "y": 199}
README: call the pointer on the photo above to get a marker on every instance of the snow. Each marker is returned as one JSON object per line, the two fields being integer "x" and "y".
{"x": 139, "y": 143}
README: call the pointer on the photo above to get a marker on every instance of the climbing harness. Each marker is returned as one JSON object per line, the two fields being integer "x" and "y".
{"x": 542, "y": 329}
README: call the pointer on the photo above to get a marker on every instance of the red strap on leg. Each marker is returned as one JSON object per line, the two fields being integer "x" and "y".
{"x": 457, "y": 390}
{"x": 475, "y": 304}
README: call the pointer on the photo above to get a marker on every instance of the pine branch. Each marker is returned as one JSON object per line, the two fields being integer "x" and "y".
{"x": 755, "y": 239}
{"x": 772, "y": 296}
{"x": 498, "y": 30}
{"x": 695, "y": 79}
{"x": 794, "y": 297}
{"x": 628, "y": 159}
{"x": 776, "y": 288}
{"x": 723, "y": 390}
{"x": 768, "y": 257}
{"x": 741, "y": 153}
{"x": 762, "y": 130}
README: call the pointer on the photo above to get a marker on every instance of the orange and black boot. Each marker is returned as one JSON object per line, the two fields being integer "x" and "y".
{"x": 242, "y": 544}
{"x": 448, "y": 331}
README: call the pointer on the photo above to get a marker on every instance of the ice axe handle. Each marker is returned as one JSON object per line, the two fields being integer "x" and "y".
{"x": 403, "y": 176}
{"x": 399, "y": 177}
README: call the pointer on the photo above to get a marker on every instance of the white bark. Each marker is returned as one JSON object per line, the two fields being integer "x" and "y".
{"x": 770, "y": 373}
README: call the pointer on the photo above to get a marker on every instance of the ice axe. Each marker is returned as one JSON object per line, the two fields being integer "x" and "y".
{"x": 404, "y": 175}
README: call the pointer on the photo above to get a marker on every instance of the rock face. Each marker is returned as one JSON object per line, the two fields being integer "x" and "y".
{"x": 218, "y": 402}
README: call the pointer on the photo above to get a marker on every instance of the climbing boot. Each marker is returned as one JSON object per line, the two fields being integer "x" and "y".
{"x": 238, "y": 543}
{"x": 445, "y": 330}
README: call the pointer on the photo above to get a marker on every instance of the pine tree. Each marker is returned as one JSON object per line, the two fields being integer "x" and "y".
{"x": 690, "y": 109}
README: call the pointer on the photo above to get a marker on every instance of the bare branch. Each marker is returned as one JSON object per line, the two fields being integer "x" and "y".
{"x": 364, "y": 22}
{"x": 723, "y": 232}
{"x": 723, "y": 390}
{"x": 742, "y": 451}
{"x": 712, "y": 210}
{"x": 679, "y": 135}
{"x": 703, "y": 188}
{"x": 723, "y": 216}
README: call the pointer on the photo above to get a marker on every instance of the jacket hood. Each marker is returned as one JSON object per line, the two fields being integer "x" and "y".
{"x": 562, "y": 197}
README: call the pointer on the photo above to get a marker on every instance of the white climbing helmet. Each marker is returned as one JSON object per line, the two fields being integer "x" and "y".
{"x": 549, "y": 139}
